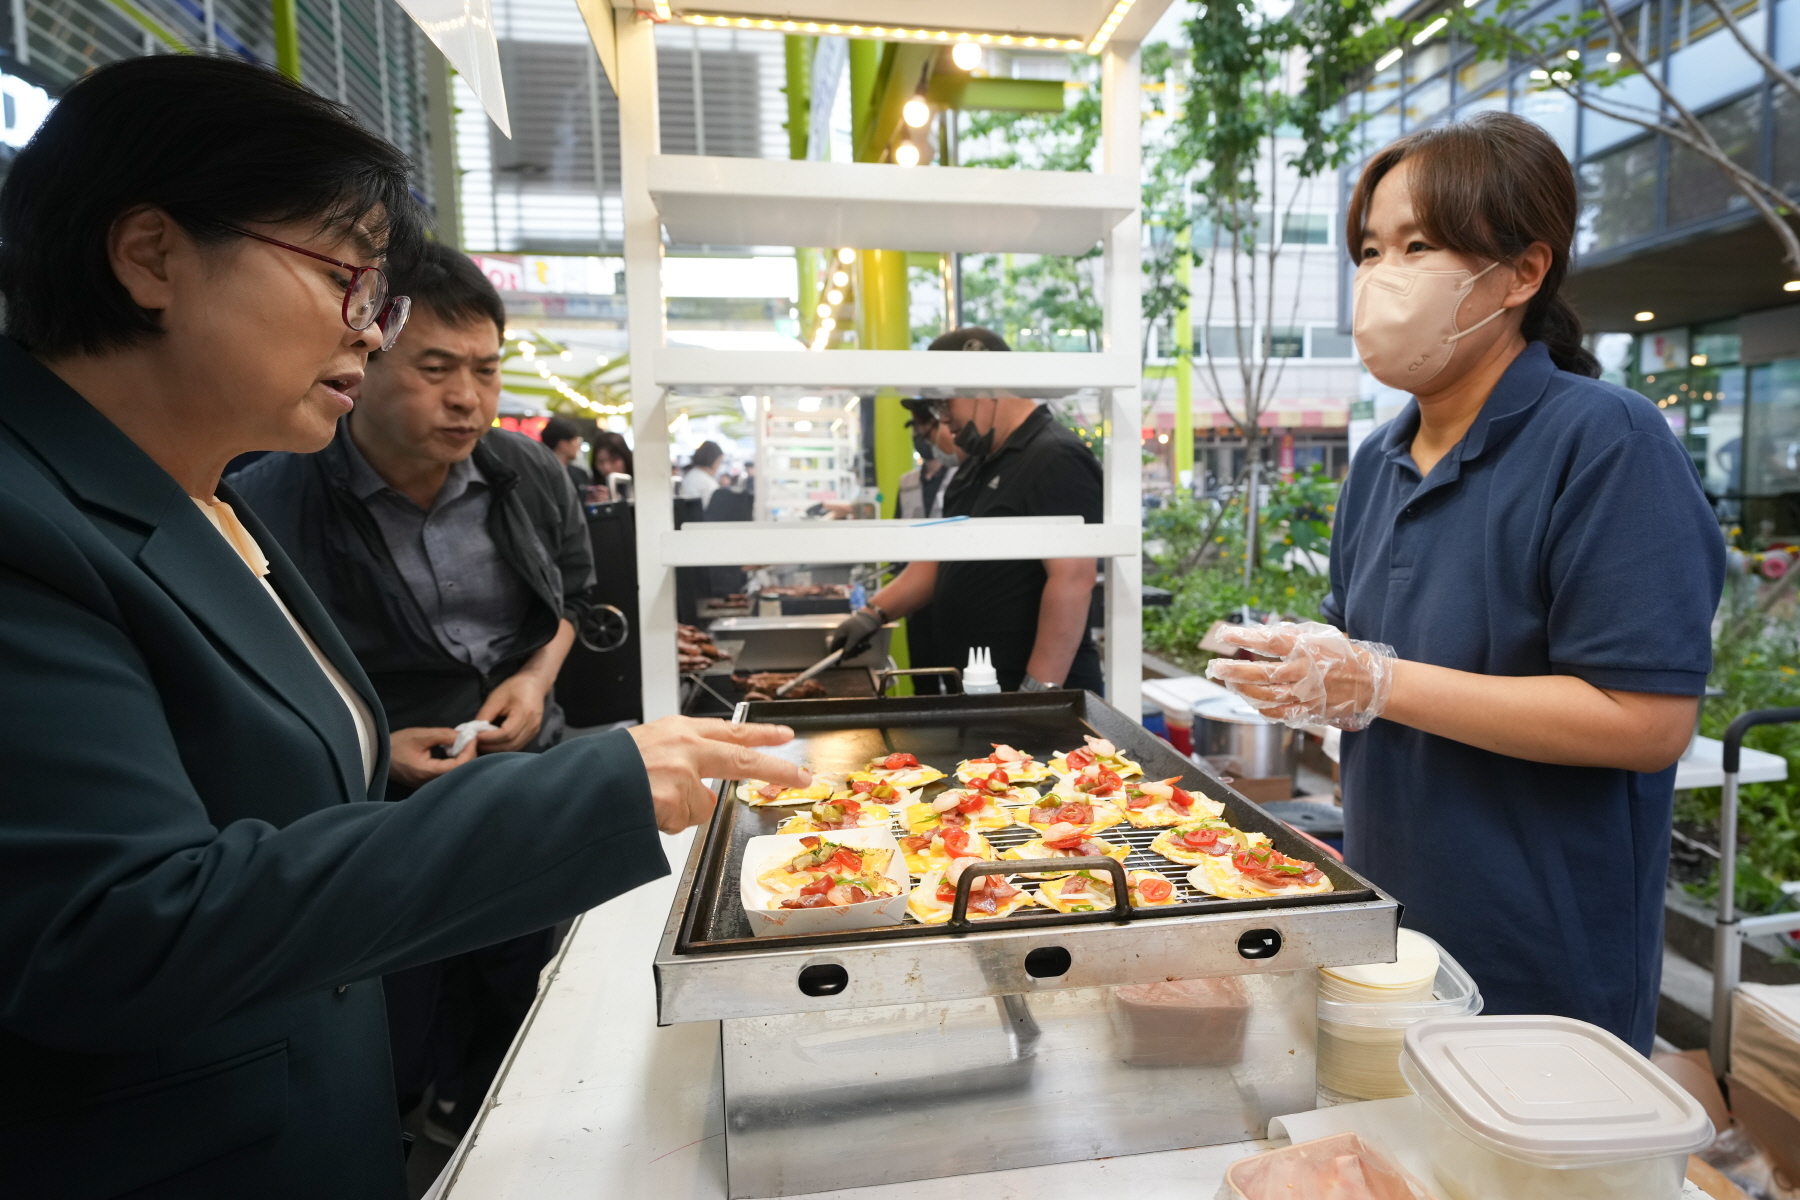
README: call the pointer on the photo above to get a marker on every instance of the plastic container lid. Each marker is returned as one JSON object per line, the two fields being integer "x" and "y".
{"x": 1453, "y": 994}
{"x": 1550, "y": 1091}
{"x": 1230, "y": 709}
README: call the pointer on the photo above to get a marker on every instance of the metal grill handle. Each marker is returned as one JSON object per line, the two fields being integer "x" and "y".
{"x": 959, "y": 912}
{"x": 883, "y": 678}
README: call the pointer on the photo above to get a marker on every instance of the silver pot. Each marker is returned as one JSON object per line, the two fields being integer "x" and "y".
{"x": 1224, "y": 726}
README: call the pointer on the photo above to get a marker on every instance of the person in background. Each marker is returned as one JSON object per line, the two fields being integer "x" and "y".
{"x": 923, "y": 488}
{"x": 564, "y": 437}
{"x": 611, "y": 456}
{"x": 1033, "y": 614}
{"x": 701, "y": 479}
{"x": 451, "y": 554}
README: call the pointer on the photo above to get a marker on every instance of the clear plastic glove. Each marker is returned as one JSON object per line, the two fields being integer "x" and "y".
{"x": 1322, "y": 678}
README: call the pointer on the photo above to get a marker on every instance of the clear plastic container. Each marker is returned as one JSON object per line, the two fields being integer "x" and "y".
{"x": 1359, "y": 1043}
{"x": 1548, "y": 1108}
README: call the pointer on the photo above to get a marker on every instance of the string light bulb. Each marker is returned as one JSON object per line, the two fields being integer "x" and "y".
{"x": 966, "y": 55}
{"x": 846, "y": 256}
{"x": 906, "y": 154}
{"x": 917, "y": 113}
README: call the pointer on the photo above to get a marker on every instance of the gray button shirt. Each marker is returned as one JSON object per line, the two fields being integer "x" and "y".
{"x": 473, "y": 599}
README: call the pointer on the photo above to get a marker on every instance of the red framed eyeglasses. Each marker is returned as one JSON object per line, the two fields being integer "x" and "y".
{"x": 366, "y": 299}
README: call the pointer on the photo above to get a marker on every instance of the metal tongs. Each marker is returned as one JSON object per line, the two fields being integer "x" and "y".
{"x": 824, "y": 664}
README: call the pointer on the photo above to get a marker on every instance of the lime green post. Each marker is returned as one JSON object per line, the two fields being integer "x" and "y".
{"x": 1184, "y": 368}
{"x": 799, "y": 54}
{"x": 287, "y": 37}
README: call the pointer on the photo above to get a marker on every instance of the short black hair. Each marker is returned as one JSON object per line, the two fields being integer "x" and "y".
{"x": 558, "y": 430}
{"x": 211, "y": 141}
{"x": 970, "y": 337}
{"x": 449, "y": 286}
{"x": 706, "y": 454}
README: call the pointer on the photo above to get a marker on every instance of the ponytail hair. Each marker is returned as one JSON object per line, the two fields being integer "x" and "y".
{"x": 1491, "y": 186}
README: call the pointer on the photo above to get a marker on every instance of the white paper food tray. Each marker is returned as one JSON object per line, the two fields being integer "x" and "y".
{"x": 762, "y": 853}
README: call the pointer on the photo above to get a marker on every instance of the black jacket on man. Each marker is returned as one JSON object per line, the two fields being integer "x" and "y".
{"x": 534, "y": 519}
{"x": 197, "y": 888}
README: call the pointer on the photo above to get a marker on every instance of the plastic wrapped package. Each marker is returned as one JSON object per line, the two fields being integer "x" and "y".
{"x": 1341, "y": 1167}
{"x": 1182, "y": 1023}
{"x": 1548, "y": 1108}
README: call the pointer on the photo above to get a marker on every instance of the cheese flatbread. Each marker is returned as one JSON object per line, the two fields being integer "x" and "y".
{"x": 1152, "y": 805}
{"x": 1194, "y": 842}
{"x": 1258, "y": 873}
{"x": 1092, "y": 891}
{"x": 826, "y": 874}
{"x": 1057, "y": 809}
{"x": 960, "y": 809}
{"x": 840, "y": 812}
{"x": 990, "y": 897}
{"x": 874, "y": 791}
{"x": 935, "y": 851}
{"x": 1077, "y": 844}
{"x": 900, "y": 769}
{"x": 1019, "y": 766}
{"x": 760, "y": 794}
{"x": 1097, "y": 751}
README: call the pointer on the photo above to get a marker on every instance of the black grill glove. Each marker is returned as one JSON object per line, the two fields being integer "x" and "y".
{"x": 855, "y": 633}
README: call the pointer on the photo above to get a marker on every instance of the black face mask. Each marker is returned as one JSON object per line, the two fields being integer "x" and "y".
{"x": 973, "y": 442}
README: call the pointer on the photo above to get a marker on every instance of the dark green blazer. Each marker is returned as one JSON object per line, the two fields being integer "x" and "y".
{"x": 198, "y": 893}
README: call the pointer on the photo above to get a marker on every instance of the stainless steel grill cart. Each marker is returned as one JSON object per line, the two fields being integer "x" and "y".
{"x": 914, "y": 1051}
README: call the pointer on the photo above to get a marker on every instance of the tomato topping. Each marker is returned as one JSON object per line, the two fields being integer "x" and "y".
{"x": 848, "y": 805}
{"x": 1270, "y": 866}
{"x": 996, "y": 781}
{"x": 1135, "y": 799}
{"x": 946, "y": 892}
{"x": 1076, "y": 813}
{"x": 1078, "y": 759}
{"x": 844, "y": 860}
{"x": 1155, "y": 890}
{"x": 1200, "y": 839}
{"x": 896, "y": 762}
{"x": 817, "y": 887}
{"x": 972, "y": 804}
{"x": 956, "y": 841}
{"x": 1180, "y": 801}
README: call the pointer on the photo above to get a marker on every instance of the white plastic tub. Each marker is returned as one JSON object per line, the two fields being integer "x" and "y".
{"x": 1548, "y": 1108}
{"x": 1359, "y": 1042}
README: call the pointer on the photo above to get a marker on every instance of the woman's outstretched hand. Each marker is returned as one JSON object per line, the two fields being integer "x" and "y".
{"x": 1321, "y": 678}
{"x": 682, "y": 753}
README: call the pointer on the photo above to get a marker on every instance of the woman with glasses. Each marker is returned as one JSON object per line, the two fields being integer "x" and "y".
{"x": 199, "y": 885}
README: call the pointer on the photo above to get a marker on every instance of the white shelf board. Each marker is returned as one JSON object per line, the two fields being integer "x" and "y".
{"x": 1052, "y": 18}
{"x": 1022, "y": 373}
{"x": 734, "y": 543}
{"x": 781, "y": 202}
{"x": 1703, "y": 766}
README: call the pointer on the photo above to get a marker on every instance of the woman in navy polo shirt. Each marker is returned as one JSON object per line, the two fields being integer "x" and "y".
{"x": 1525, "y": 572}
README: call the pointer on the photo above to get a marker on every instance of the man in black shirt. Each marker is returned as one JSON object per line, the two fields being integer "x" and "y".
{"x": 1031, "y": 613}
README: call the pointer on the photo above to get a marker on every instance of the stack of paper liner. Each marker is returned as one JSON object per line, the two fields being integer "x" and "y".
{"x": 1364, "y": 1012}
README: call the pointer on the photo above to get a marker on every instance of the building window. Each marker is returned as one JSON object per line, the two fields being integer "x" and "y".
{"x": 1773, "y": 466}
{"x": 1286, "y": 342}
{"x": 1618, "y": 197}
{"x": 1427, "y": 60}
{"x": 1381, "y": 128}
{"x": 1697, "y": 187}
{"x": 1306, "y": 229}
{"x": 1424, "y": 104}
{"x": 1327, "y": 342}
{"x": 1787, "y": 141}
{"x": 1473, "y": 77}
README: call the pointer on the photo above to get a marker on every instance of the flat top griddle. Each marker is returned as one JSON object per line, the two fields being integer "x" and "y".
{"x": 842, "y": 735}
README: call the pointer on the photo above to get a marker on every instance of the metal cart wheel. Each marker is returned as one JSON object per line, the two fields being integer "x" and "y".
{"x": 1729, "y": 929}
{"x": 603, "y": 628}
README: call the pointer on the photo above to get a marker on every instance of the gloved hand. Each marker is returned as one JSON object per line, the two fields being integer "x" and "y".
{"x": 855, "y": 633}
{"x": 1322, "y": 678}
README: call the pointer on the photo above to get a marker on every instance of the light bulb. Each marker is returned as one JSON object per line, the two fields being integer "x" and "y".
{"x": 827, "y": 324}
{"x": 917, "y": 113}
{"x": 966, "y": 55}
{"x": 840, "y": 279}
{"x": 824, "y": 310}
{"x": 834, "y": 297}
{"x": 906, "y": 155}
{"x": 1645, "y": 316}
{"x": 846, "y": 256}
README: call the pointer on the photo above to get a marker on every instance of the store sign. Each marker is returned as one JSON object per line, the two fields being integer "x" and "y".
{"x": 552, "y": 274}
{"x": 23, "y": 108}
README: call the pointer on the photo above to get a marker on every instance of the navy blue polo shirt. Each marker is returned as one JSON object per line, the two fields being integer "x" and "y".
{"x": 1566, "y": 534}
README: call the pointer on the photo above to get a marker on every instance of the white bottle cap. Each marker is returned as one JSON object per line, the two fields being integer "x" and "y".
{"x": 979, "y": 674}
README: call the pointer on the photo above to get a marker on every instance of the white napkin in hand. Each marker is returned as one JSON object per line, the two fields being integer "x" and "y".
{"x": 465, "y": 733}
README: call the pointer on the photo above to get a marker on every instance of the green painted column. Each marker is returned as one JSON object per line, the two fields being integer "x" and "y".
{"x": 799, "y": 51}
{"x": 1184, "y": 366}
{"x": 286, "y": 16}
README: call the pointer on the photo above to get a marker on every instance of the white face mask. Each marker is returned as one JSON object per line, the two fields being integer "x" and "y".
{"x": 1405, "y": 321}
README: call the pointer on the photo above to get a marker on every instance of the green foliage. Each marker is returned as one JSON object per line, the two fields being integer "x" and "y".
{"x": 1195, "y": 549}
{"x": 1757, "y": 669}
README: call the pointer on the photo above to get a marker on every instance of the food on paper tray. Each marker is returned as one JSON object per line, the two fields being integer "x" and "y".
{"x": 1150, "y": 804}
{"x": 1193, "y": 842}
{"x": 1097, "y": 752}
{"x": 839, "y": 812}
{"x": 1065, "y": 841}
{"x": 828, "y": 874}
{"x": 1340, "y": 1167}
{"x": 1092, "y": 891}
{"x": 937, "y": 850}
{"x": 1057, "y": 809}
{"x": 901, "y": 770}
{"x": 1019, "y": 766}
{"x": 990, "y": 896}
{"x": 1257, "y": 873}
{"x": 764, "y": 684}
{"x": 956, "y": 808}
{"x": 759, "y": 793}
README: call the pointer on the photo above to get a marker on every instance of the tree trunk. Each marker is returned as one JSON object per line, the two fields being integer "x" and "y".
{"x": 1252, "y": 549}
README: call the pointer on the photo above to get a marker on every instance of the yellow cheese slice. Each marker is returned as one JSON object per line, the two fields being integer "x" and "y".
{"x": 871, "y": 816}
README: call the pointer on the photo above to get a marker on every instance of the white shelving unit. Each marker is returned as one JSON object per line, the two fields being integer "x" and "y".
{"x": 778, "y": 202}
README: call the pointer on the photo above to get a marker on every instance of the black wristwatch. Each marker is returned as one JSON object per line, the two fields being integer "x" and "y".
{"x": 880, "y": 614}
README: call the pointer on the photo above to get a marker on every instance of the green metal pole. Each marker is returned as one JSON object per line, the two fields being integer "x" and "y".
{"x": 799, "y": 54}
{"x": 865, "y": 69}
{"x": 1184, "y": 369}
{"x": 287, "y": 37}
